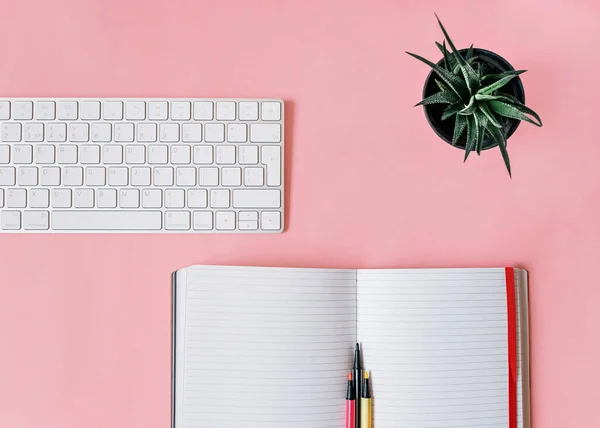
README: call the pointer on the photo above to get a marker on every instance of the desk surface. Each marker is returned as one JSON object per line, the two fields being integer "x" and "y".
{"x": 84, "y": 320}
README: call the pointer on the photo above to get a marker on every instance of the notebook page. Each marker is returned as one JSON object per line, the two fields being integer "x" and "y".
{"x": 264, "y": 347}
{"x": 436, "y": 343}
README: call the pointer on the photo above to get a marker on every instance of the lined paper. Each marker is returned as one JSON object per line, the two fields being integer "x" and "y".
{"x": 263, "y": 347}
{"x": 435, "y": 342}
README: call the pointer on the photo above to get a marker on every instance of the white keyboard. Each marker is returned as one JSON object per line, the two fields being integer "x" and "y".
{"x": 141, "y": 165}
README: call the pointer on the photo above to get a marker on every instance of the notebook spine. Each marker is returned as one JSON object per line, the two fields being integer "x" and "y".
{"x": 173, "y": 336}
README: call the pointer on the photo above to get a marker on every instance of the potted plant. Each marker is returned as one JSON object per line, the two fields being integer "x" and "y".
{"x": 474, "y": 99}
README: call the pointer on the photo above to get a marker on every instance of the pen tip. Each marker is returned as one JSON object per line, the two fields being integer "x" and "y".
{"x": 357, "y": 347}
{"x": 350, "y": 376}
{"x": 366, "y": 374}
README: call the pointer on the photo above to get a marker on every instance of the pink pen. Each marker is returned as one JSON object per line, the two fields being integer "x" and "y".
{"x": 350, "y": 403}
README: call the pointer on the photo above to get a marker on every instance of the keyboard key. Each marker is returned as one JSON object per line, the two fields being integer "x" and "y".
{"x": 66, "y": 154}
{"x": 112, "y": 154}
{"x": 248, "y": 110}
{"x": 225, "y": 220}
{"x": 10, "y": 220}
{"x": 56, "y": 132}
{"x": 135, "y": 154}
{"x": 39, "y": 198}
{"x": 22, "y": 110}
{"x": 129, "y": 198}
{"x": 225, "y": 110}
{"x": 11, "y": 132}
{"x": 146, "y": 132}
{"x": 174, "y": 198}
{"x": 83, "y": 198}
{"x": 163, "y": 176}
{"x": 101, "y": 132}
{"x": 50, "y": 176}
{"x": 180, "y": 110}
{"x": 152, "y": 198}
{"x": 44, "y": 154}
{"x": 67, "y": 110}
{"x": 186, "y": 177}
{"x": 4, "y": 153}
{"x": 106, "y": 220}
{"x": 61, "y": 198}
{"x": 203, "y": 220}
{"x": 177, "y": 220}
{"x": 214, "y": 132}
{"x": 270, "y": 220}
{"x": 208, "y": 176}
{"x": 219, "y": 198}
{"x": 118, "y": 176}
{"x": 45, "y": 110}
{"x": 180, "y": 154}
{"x": 157, "y": 110}
{"x": 112, "y": 110}
{"x": 270, "y": 110}
{"x": 203, "y": 110}
{"x": 33, "y": 132}
{"x": 197, "y": 198}
{"x": 225, "y": 155}
{"x": 22, "y": 154}
{"x": 271, "y": 157}
{"x": 135, "y": 110}
{"x": 27, "y": 176}
{"x": 248, "y": 215}
{"x": 36, "y": 220}
{"x": 16, "y": 198}
{"x": 72, "y": 176}
{"x": 89, "y": 110}
{"x": 265, "y": 133}
{"x": 253, "y": 177}
{"x": 231, "y": 177}
{"x": 107, "y": 198}
{"x": 169, "y": 132}
{"x": 236, "y": 133}
{"x": 95, "y": 176}
{"x": 192, "y": 132}
{"x": 79, "y": 132}
{"x": 157, "y": 154}
{"x": 258, "y": 198}
{"x": 203, "y": 155}
{"x": 247, "y": 225}
{"x": 124, "y": 132}
{"x": 90, "y": 154}
{"x": 7, "y": 176}
{"x": 4, "y": 110}
{"x": 140, "y": 176}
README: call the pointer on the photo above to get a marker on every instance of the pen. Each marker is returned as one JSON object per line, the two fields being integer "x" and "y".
{"x": 350, "y": 403}
{"x": 365, "y": 403}
{"x": 357, "y": 373}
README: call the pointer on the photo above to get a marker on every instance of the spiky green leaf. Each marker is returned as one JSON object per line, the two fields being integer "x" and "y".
{"x": 448, "y": 65}
{"x": 501, "y": 75}
{"x": 452, "y": 110}
{"x": 514, "y": 112}
{"x": 469, "y": 108}
{"x": 488, "y": 90}
{"x": 444, "y": 97}
{"x": 455, "y": 83}
{"x": 500, "y": 139}
{"x": 509, "y": 99}
{"x": 469, "y": 53}
{"x": 480, "y": 97}
{"x": 472, "y": 135}
{"x": 469, "y": 74}
{"x": 490, "y": 115}
{"x": 459, "y": 128}
{"x": 481, "y": 121}
{"x": 441, "y": 85}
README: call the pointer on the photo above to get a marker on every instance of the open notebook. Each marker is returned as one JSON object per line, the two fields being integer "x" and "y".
{"x": 271, "y": 347}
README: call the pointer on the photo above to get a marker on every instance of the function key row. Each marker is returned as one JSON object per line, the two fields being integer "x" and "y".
{"x": 140, "y": 110}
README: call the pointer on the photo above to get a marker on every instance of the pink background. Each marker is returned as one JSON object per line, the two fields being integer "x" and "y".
{"x": 85, "y": 320}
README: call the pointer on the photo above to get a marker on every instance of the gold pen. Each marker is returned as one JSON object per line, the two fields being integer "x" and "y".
{"x": 365, "y": 403}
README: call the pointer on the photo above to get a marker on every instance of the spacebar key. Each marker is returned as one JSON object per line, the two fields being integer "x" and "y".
{"x": 106, "y": 220}
{"x": 257, "y": 198}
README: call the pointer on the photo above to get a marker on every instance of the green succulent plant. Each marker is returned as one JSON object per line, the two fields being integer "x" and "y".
{"x": 475, "y": 98}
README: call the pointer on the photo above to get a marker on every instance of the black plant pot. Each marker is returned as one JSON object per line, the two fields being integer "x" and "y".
{"x": 445, "y": 128}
